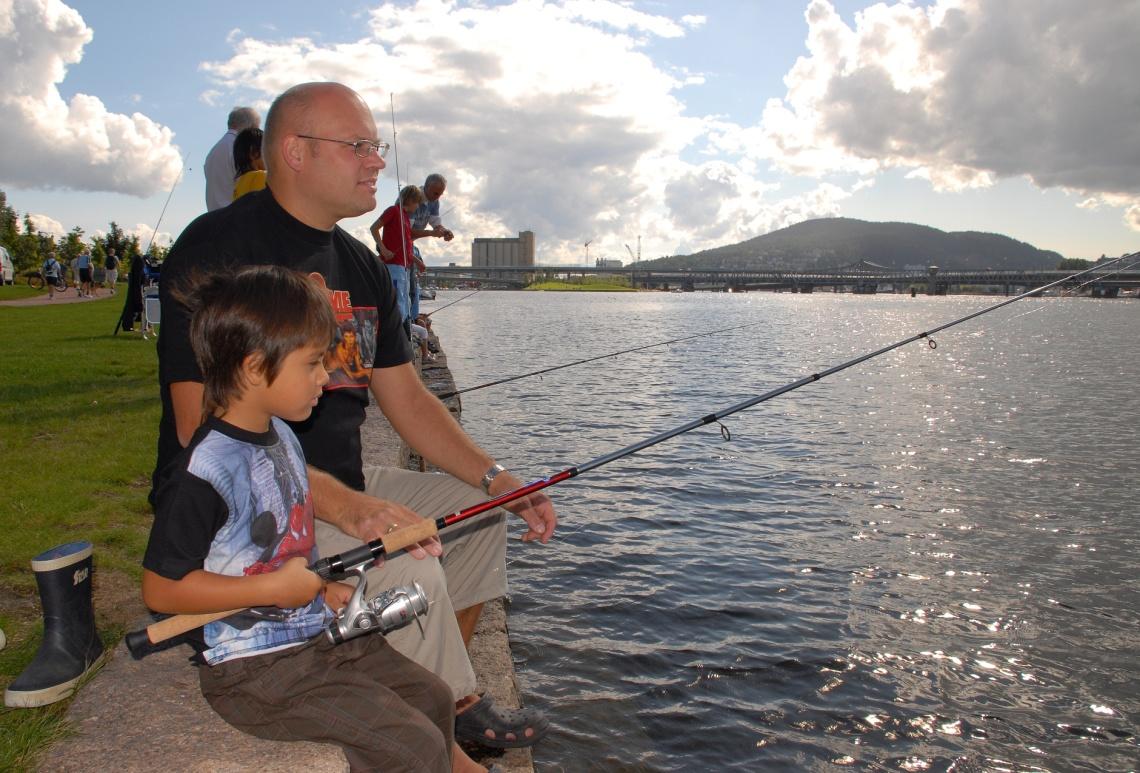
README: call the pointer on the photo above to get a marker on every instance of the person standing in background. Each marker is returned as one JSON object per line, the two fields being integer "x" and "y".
{"x": 219, "y": 166}
{"x": 426, "y": 221}
{"x": 51, "y": 270}
{"x": 249, "y": 167}
{"x": 111, "y": 267}
{"x": 83, "y": 270}
{"x": 393, "y": 234}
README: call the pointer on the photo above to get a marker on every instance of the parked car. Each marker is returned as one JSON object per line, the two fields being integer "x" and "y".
{"x": 7, "y": 270}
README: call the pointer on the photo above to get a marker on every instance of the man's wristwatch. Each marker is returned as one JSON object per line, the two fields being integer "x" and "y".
{"x": 490, "y": 475}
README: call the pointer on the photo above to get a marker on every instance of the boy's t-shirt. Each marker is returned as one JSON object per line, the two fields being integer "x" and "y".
{"x": 238, "y": 503}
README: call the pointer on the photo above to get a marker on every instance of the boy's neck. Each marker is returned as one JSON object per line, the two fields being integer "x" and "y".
{"x": 244, "y": 415}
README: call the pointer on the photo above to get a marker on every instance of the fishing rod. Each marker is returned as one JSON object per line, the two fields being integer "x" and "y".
{"x": 399, "y": 198}
{"x": 353, "y": 561}
{"x": 444, "y": 306}
{"x": 446, "y": 395}
{"x": 1102, "y": 277}
{"x": 375, "y": 549}
{"x": 154, "y": 233}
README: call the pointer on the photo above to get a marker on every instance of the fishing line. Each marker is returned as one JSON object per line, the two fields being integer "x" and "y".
{"x": 336, "y": 565}
{"x": 154, "y": 233}
{"x": 352, "y": 561}
{"x": 399, "y": 199}
{"x": 446, "y": 395}
{"x": 1102, "y": 276}
{"x": 444, "y": 306}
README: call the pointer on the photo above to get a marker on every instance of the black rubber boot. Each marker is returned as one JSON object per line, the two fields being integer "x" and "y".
{"x": 71, "y": 645}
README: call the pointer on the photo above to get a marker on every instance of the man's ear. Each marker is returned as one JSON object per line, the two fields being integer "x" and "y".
{"x": 293, "y": 152}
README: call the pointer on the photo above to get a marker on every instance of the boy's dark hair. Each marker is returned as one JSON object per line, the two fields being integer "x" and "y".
{"x": 245, "y": 144}
{"x": 267, "y": 310}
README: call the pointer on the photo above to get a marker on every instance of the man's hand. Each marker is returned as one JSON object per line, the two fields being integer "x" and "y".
{"x": 537, "y": 509}
{"x": 293, "y": 585}
{"x": 381, "y": 517}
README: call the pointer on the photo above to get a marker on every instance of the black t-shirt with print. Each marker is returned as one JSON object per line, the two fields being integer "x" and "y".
{"x": 256, "y": 230}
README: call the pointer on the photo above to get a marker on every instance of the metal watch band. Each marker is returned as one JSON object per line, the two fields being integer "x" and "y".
{"x": 490, "y": 475}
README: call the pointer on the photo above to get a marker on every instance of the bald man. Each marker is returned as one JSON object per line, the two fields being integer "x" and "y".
{"x": 323, "y": 156}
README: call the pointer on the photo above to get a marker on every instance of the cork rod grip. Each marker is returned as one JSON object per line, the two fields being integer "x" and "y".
{"x": 409, "y": 535}
{"x": 178, "y": 624}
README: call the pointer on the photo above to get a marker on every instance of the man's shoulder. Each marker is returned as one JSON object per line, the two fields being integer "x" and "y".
{"x": 346, "y": 242}
{"x": 244, "y": 222}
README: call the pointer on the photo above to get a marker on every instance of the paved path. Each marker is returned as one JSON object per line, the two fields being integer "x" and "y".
{"x": 67, "y": 296}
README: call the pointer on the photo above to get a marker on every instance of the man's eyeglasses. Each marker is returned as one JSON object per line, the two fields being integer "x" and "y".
{"x": 362, "y": 148}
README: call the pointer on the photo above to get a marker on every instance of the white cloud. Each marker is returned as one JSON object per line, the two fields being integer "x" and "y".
{"x": 965, "y": 92}
{"x": 551, "y": 115}
{"x": 77, "y": 144}
{"x": 547, "y": 116}
{"x": 144, "y": 232}
{"x": 47, "y": 225}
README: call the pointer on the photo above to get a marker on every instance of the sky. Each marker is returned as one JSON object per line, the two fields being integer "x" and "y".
{"x": 650, "y": 127}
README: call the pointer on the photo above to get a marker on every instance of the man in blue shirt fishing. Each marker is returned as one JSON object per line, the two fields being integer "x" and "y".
{"x": 426, "y": 221}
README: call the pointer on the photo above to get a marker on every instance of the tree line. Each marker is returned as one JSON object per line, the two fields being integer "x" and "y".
{"x": 29, "y": 247}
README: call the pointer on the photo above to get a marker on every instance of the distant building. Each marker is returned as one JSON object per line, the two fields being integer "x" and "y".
{"x": 510, "y": 251}
{"x": 607, "y": 263}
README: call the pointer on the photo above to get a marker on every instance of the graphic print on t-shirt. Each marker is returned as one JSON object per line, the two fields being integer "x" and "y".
{"x": 349, "y": 359}
{"x": 270, "y": 521}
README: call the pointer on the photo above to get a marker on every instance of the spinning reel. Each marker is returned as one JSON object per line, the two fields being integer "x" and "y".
{"x": 392, "y": 609}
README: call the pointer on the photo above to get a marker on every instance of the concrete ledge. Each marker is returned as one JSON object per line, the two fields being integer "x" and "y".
{"x": 150, "y": 714}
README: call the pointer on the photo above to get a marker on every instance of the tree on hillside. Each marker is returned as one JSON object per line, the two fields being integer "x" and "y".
{"x": 1073, "y": 264}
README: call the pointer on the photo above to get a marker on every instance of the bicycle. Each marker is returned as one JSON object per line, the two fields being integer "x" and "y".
{"x": 37, "y": 281}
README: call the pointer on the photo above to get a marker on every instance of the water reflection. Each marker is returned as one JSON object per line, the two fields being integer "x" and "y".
{"x": 923, "y": 563}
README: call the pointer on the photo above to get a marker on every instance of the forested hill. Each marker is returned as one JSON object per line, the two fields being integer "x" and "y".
{"x": 830, "y": 243}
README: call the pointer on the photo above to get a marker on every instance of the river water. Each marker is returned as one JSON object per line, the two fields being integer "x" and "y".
{"x": 925, "y": 562}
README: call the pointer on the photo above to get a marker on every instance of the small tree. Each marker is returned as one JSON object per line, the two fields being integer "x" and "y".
{"x": 72, "y": 245}
{"x": 9, "y": 223}
{"x": 26, "y": 252}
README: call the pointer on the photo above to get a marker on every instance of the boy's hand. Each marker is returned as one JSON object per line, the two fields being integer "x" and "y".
{"x": 337, "y": 595}
{"x": 293, "y": 585}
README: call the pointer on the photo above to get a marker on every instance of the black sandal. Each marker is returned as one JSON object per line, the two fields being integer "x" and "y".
{"x": 483, "y": 716}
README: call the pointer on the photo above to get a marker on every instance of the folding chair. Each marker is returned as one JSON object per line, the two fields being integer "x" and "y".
{"x": 152, "y": 310}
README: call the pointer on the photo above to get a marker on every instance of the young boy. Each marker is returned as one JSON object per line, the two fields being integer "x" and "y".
{"x": 234, "y": 528}
{"x": 393, "y": 234}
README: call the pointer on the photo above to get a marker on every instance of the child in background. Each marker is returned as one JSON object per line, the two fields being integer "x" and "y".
{"x": 393, "y": 234}
{"x": 234, "y": 528}
{"x": 250, "y": 174}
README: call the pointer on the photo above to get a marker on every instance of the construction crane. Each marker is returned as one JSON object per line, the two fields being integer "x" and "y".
{"x": 637, "y": 257}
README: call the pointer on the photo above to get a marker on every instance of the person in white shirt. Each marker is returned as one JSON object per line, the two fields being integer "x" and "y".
{"x": 219, "y": 166}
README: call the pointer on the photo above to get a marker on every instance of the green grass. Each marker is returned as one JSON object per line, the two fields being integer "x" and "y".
{"x": 592, "y": 284}
{"x": 19, "y": 290}
{"x": 79, "y": 413}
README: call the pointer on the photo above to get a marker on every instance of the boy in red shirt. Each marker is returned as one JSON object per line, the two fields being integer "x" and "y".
{"x": 393, "y": 234}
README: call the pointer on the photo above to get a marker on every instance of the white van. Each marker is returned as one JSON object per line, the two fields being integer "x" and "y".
{"x": 7, "y": 270}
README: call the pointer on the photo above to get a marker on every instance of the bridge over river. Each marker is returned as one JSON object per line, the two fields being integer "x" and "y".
{"x": 1106, "y": 284}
